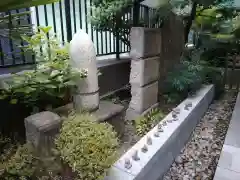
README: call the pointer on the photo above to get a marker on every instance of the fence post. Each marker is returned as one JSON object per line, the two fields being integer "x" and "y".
{"x": 68, "y": 19}
{"x": 117, "y": 39}
{"x": 136, "y": 12}
{"x": 146, "y": 16}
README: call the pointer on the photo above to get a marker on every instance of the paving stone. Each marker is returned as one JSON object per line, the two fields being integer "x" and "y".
{"x": 230, "y": 158}
{"x": 225, "y": 174}
{"x": 232, "y": 137}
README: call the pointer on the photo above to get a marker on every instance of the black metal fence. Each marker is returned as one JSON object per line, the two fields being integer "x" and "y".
{"x": 66, "y": 18}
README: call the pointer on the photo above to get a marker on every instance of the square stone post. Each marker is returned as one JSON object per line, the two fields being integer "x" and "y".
{"x": 41, "y": 129}
{"x": 145, "y": 55}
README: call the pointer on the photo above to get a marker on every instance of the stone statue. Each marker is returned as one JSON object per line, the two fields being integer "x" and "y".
{"x": 83, "y": 56}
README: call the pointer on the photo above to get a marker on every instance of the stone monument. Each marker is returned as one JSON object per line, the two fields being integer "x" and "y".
{"x": 83, "y": 56}
{"x": 145, "y": 62}
{"x": 41, "y": 128}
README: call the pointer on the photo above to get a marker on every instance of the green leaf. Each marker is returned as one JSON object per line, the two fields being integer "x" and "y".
{"x": 13, "y": 101}
{"x": 4, "y": 96}
{"x": 70, "y": 83}
{"x": 51, "y": 86}
{"x": 45, "y": 29}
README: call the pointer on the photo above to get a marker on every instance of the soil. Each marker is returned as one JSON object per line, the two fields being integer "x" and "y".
{"x": 130, "y": 137}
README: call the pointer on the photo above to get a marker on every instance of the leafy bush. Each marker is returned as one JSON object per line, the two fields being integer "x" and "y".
{"x": 7, "y": 149}
{"x": 147, "y": 122}
{"x": 26, "y": 164}
{"x": 88, "y": 147}
{"x": 185, "y": 78}
{"x": 22, "y": 164}
{"x": 52, "y": 77}
{"x": 215, "y": 76}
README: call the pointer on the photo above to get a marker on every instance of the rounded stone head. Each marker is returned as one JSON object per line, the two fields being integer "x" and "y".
{"x": 83, "y": 56}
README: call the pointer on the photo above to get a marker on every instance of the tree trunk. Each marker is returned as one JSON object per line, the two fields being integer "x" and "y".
{"x": 190, "y": 19}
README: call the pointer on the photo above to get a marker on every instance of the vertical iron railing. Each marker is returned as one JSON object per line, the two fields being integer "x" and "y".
{"x": 10, "y": 52}
{"x": 66, "y": 18}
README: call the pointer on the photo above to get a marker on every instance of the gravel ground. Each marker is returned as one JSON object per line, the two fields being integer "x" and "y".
{"x": 199, "y": 158}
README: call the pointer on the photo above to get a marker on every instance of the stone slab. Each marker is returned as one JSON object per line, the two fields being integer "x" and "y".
{"x": 143, "y": 97}
{"x": 145, "y": 42}
{"x": 226, "y": 174}
{"x": 156, "y": 161}
{"x": 107, "y": 112}
{"x": 230, "y": 158}
{"x": 232, "y": 137}
{"x": 229, "y": 163}
{"x": 111, "y": 113}
{"x": 144, "y": 71}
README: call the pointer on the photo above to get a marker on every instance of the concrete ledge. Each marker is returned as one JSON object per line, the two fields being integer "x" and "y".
{"x": 229, "y": 163}
{"x": 153, "y": 164}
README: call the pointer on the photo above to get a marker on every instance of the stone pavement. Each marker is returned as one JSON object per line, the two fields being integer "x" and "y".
{"x": 229, "y": 163}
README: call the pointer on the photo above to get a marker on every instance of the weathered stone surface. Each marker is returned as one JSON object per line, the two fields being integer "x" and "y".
{"x": 232, "y": 137}
{"x": 86, "y": 102}
{"x": 144, "y": 71}
{"x": 83, "y": 56}
{"x": 144, "y": 97}
{"x": 230, "y": 158}
{"x": 226, "y": 174}
{"x": 229, "y": 162}
{"x": 145, "y": 42}
{"x": 111, "y": 113}
{"x": 41, "y": 129}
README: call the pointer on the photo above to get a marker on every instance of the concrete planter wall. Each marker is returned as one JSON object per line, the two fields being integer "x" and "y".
{"x": 151, "y": 157}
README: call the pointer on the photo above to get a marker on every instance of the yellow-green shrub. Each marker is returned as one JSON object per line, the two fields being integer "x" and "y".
{"x": 88, "y": 147}
{"x": 147, "y": 122}
{"x": 27, "y": 164}
{"x": 23, "y": 164}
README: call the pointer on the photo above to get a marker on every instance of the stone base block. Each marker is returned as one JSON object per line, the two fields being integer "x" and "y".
{"x": 86, "y": 102}
{"x": 145, "y": 42}
{"x": 144, "y": 71}
{"x": 41, "y": 129}
{"x": 143, "y": 97}
{"x": 111, "y": 113}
